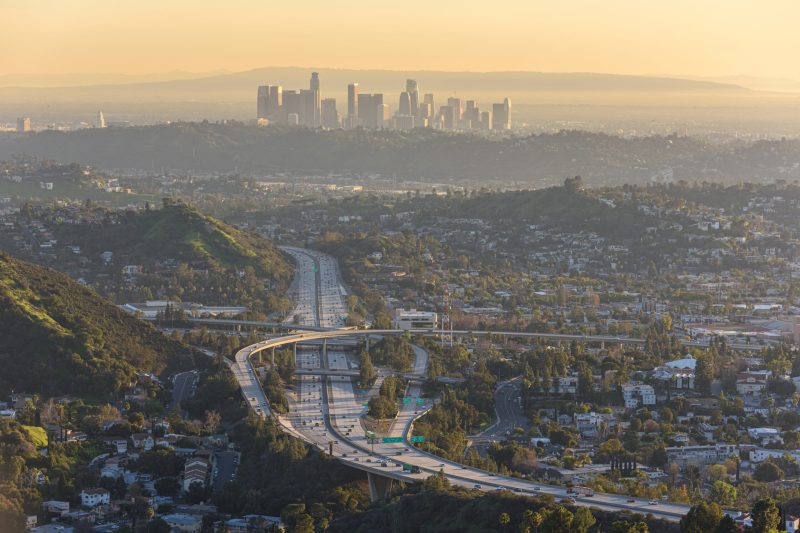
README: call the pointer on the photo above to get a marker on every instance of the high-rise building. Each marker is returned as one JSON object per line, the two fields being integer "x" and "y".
{"x": 292, "y": 105}
{"x": 316, "y": 112}
{"x": 308, "y": 108}
{"x": 23, "y": 124}
{"x": 330, "y": 117}
{"x": 486, "y": 120}
{"x": 352, "y": 105}
{"x": 501, "y": 115}
{"x": 262, "y": 102}
{"x": 372, "y": 112}
{"x": 275, "y": 102}
{"x": 101, "y": 120}
{"x": 413, "y": 95}
{"x": 447, "y": 117}
{"x": 404, "y": 108}
{"x": 455, "y": 104}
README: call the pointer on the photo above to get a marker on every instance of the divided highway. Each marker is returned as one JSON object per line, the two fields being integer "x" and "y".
{"x": 327, "y": 414}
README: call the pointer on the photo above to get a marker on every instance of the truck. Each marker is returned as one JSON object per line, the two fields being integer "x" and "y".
{"x": 411, "y": 469}
{"x": 580, "y": 491}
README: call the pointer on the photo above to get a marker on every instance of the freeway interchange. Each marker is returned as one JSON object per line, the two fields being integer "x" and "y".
{"x": 326, "y": 413}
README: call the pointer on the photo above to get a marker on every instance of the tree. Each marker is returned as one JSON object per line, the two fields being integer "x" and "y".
{"x": 766, "y": 516}
{"x": 504, "y": 519}
{"x": 558, "y": 520}
{"x": 304, "y": 523}
{"x": 623, "y": 526}
{"x": 727, "y": 525}
{"x": 583, "y": 520}
{"x": 211, "y": 422}
{"x": 701, "y": 518}
{"x": 717, "y": 473}
{"x": 723, "y": 493}
{"x": 768, "y": 472}
{"x": 366, "y": 370}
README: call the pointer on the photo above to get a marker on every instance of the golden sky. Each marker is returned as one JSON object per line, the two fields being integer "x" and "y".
{"x": 681, "y": 37}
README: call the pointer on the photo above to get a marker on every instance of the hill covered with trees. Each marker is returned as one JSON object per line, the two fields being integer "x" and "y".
{"x": 59, "y": 337}
{"x": 540, "y": 160}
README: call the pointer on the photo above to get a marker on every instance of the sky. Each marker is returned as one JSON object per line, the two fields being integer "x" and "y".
{"x": 705, "y": 38}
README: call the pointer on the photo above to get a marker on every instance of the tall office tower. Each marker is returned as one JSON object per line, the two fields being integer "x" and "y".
{"x": 366, "y": 114}
{"x": 425, "y": 115}
{"x": 501, "y": 115}
{"x": 428, "y": 99}
{"x": 262, "y": 101}
{"x": 486, "y": 120}
{"x": 447, "y": 117}
{"x": 455, "y": 103}
{"x": 308, "y": 108}
{"x": 314, "y": 86}
{"x": 274, "y": 102}
{"x": 382, "y": 114}
{"x": 292, "y": 105}
{"x": 413, "y": 94}
{"x": 23, "y": 124}
{"x": 472, "y": 115}
{"x": 101, "y": 120}
{"x": 405, "y": 104}
{"x": 352, "y": 105}
{"x": 330, "y": 116}
{"x": 498, "y": 114}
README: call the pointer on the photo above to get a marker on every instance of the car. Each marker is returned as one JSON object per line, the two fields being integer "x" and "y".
{"x": 652, "y": 502}
{"x": 384, "y": 464}
{"x": 537, "y": 488}
{"x": 355, "y": 459}
{"x": 631, "y": 500}
{"x": 476, "y": 486}
{"x": 516, "y": 489}
{"x": 500, "y": 487}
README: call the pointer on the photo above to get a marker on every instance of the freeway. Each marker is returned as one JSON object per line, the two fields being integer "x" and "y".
{"x": 508, "y": 411}
{"x": 325, "y": 412}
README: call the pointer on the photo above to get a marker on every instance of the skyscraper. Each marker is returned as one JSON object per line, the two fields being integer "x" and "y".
{"x": 352, "y": 105}
{"x": 315, "y": 119}
{"x": 262, "y": 102}
{"x": 23, "y": 124}
{"x": 455, "y": 104}
{"x": 413, "y": 94}
{"x": 275, "y": 102}
{"x": 501, "y": 115}
{"x": 404, "y": 108}
{"x": 101, "y": 120}
{"x": 330, "y": 116}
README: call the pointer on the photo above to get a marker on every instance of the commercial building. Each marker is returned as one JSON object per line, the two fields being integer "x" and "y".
{"x": 413, "y": 319}
{"x": 638, "y": 394}
{"x": 23, "y": 124}
{"x": 701, "y": 455}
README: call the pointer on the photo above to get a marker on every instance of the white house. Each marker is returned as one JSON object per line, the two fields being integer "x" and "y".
{"x": 636, "y": 394}
{"x": 95, "y": 497}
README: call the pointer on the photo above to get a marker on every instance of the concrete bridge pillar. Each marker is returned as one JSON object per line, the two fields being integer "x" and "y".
{"x": 325, "y": 349}
{"x": 602, "y": 345}
{"x": 272, "y": 355}
{"x": 294, "y": 347}
{"x": 379, "y": 487}
{"x": 367, "y": 339}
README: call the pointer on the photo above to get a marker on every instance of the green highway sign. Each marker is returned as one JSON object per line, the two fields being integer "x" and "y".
{"x": 417, "y": 438}
{"x": 406, "y": 400}
{"x": 420, "y": 400}
{"x": 391, "y": 439}
{"x": 365, "y": 404}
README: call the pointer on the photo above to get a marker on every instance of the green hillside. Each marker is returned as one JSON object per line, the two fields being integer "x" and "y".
{"x": 59, "y": 337}
{"x": 182, "y": 233}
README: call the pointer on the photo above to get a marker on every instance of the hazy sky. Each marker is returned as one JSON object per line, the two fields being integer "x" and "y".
{"x": 688, "y": 37}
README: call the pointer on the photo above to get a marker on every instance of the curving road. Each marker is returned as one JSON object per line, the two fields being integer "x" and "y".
{"x": 325, "y": 412}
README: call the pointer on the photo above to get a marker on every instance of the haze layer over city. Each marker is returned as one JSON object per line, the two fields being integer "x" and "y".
{"x": 431, "y": 266}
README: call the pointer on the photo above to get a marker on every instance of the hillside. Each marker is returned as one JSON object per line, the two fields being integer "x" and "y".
{"x": 538, "y": 160}
{"x": 58, "y": 337}
{"x": 181, "y": 233}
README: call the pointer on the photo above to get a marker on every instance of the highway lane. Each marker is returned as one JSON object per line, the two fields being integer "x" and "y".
{"x": 183, "y": 386}
{"x": 327, "y": 415}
